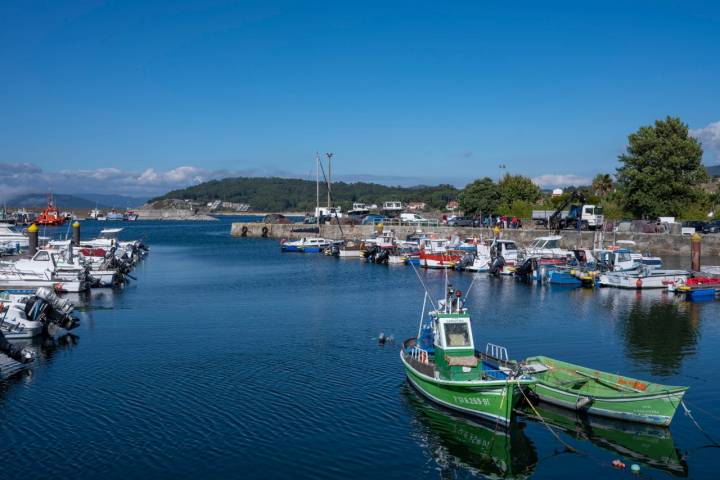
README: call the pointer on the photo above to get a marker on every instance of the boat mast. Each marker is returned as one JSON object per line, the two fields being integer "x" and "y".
{"x": 329, "y": 179}
{"x": 317, "y": 191}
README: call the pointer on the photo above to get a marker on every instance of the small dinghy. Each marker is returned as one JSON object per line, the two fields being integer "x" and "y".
{"x": 601, "y": 393}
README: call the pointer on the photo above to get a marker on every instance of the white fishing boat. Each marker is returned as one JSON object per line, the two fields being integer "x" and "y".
{"x": 482, "y": 259}
{"x": 10, "y": 237}
{"x": 41, "y": 271}
{"x": 547, "y": 247}
{"x": 643, "y": 278}
{"x": 305, "y": 245}
{"x": 504, "y": 254}
{"x": 15, "y": 324}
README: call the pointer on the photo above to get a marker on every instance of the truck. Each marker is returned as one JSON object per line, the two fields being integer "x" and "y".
{"x": 581, "y": 215}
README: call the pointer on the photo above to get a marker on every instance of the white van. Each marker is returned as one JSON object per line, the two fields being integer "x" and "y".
{"x": 412, "y": 218}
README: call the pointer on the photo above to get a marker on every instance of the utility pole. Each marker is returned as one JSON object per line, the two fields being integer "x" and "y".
{"x": 329, "y": 179}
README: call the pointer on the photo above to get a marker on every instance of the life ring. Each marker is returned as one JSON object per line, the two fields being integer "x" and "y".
{"x": 638, "y": 283}
{"x": 265, "y": 231}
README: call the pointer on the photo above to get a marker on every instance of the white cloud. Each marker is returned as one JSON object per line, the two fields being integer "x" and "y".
{"x": 550, "y": 180}
{"x": 709, "y": 136}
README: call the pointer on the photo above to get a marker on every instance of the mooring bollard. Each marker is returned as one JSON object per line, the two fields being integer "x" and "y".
{"x": 76, "y": 233}
{"x": 32, "y": 239}
{"x": 696, "y": 241}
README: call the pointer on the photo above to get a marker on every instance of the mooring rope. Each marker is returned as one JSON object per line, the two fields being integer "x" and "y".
{"x": 555, "y": 434}
{"x": 689, "y": 414}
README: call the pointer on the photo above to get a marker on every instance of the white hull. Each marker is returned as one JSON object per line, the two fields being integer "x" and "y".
{"x": 350, "y": 253}
{"x": 74, "y": 286}
{"x": 659, "y": 279}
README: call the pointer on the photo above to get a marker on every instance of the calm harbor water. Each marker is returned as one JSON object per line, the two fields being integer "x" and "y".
{"x": 227, "y": 358}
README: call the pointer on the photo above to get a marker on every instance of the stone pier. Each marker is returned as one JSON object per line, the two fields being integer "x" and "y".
{"x": 655, "y": 243}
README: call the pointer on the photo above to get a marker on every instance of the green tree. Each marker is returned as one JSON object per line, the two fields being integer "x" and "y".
{"x": 480, "y": 197}
{"x": 518, "y": 188}
{"x": 661, "y": 171}
{"x": 602, "y": 184}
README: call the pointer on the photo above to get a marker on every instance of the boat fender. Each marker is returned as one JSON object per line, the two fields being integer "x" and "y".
{"x": 244, "y": 231}
{"x": 583, "y": 402}
{"x": 265, "y": 231}
{"x": 638, "y": 283}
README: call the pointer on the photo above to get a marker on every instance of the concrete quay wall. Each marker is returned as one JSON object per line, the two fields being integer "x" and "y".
{"x": 655, "y": 243}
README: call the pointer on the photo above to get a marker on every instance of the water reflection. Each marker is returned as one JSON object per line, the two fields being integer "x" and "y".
{"x": 647, "y": 444}
{"x": 660, "y": 332}
{"x": 44, "y": 349}
{"x": 458, "y": 443}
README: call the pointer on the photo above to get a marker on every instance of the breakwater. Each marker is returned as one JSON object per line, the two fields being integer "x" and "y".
{"x": 656, "y": 243}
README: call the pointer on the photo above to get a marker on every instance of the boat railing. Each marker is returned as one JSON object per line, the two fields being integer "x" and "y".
{"x": 496, "y": 351}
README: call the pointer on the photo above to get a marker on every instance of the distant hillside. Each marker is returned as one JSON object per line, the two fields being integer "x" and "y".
{"x": 286, "y": 194}
{"x": 713, "y": 171}
{"x": 64, "y": 201}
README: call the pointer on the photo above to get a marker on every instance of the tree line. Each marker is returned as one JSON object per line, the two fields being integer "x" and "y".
{"x": 660, "y": 174}
{"x": 288, "y": 194}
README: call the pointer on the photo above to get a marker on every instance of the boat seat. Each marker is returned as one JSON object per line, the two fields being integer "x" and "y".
{"x": 464, "y": 361}
{"x": 535, "y": 367}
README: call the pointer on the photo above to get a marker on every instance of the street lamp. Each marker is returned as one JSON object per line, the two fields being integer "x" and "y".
{"x": 502, "y": 167}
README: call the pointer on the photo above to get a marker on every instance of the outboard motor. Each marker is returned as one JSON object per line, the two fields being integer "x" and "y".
{"x": 52, "y": 310}
{"x": 383, "y": 256}
{"x": 526, "y": 268}
{"x": 466, "y": 260}
{"x": 497, "y": 264}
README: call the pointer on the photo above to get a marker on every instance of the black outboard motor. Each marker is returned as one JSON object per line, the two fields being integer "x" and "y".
{"x": 466, "y": 260}
{"x": 526, "y": 268}
{"x": 497, "y": 263}
{"x": 383, "y": 256}
{"x": 54, "y": 312}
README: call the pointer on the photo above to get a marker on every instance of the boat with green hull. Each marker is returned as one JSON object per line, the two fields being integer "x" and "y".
{"x": 442, "y": 364}
{"x": 604, "y": 394}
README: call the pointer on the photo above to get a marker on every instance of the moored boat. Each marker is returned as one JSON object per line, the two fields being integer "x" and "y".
{"x": 306, "y": 245}
{"x": 442, "y": 364}
{"x": 51, "y": 216}
{"x": 643, "y": 278}
{"x": 604, "y": 394}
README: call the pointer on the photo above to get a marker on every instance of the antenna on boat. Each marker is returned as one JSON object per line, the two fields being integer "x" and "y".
{"x": 427, "y": 294}
{"x": 422, "y": 314}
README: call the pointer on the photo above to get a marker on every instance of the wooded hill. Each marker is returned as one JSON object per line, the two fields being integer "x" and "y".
{"x": 288, "y": 194}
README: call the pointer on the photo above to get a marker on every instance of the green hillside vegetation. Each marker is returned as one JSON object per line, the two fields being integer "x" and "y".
{"x": 287, "y": 194}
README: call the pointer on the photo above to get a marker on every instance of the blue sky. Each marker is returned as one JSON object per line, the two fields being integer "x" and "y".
{"x": 137, "y": 97}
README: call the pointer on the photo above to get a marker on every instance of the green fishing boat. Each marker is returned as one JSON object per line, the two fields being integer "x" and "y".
{"x": 601, "y": 393}
{"x": 442, "y": 364}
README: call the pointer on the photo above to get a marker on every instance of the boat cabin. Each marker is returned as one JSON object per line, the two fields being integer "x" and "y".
{"x": 359, "y": 209}
{"x": 507, "y": 249}
{"x": 433, "y": 245}
{"x": 392, "y": 209}
{"x": 617, "y": 260}
{"x": 547, "y": 247}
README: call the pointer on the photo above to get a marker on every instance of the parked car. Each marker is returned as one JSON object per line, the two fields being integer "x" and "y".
{"x": 698, "y": 225}
{"x": 464, "y": 222}
{"x": 373, "y": 219}
{"x": 712, "y": 227}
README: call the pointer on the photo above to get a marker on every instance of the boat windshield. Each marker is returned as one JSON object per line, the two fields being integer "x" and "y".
{"x": 509, "y": 246}
{"x": 552, "y": 244}
{"x": 457, "y": 334}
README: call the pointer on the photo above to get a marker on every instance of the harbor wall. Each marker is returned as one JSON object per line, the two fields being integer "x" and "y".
{"x": 655, "y": 243}
{"x": 172, "y": 214}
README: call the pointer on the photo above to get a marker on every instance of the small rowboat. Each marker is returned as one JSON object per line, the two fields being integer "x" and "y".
{"x": 603, "y": 394}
